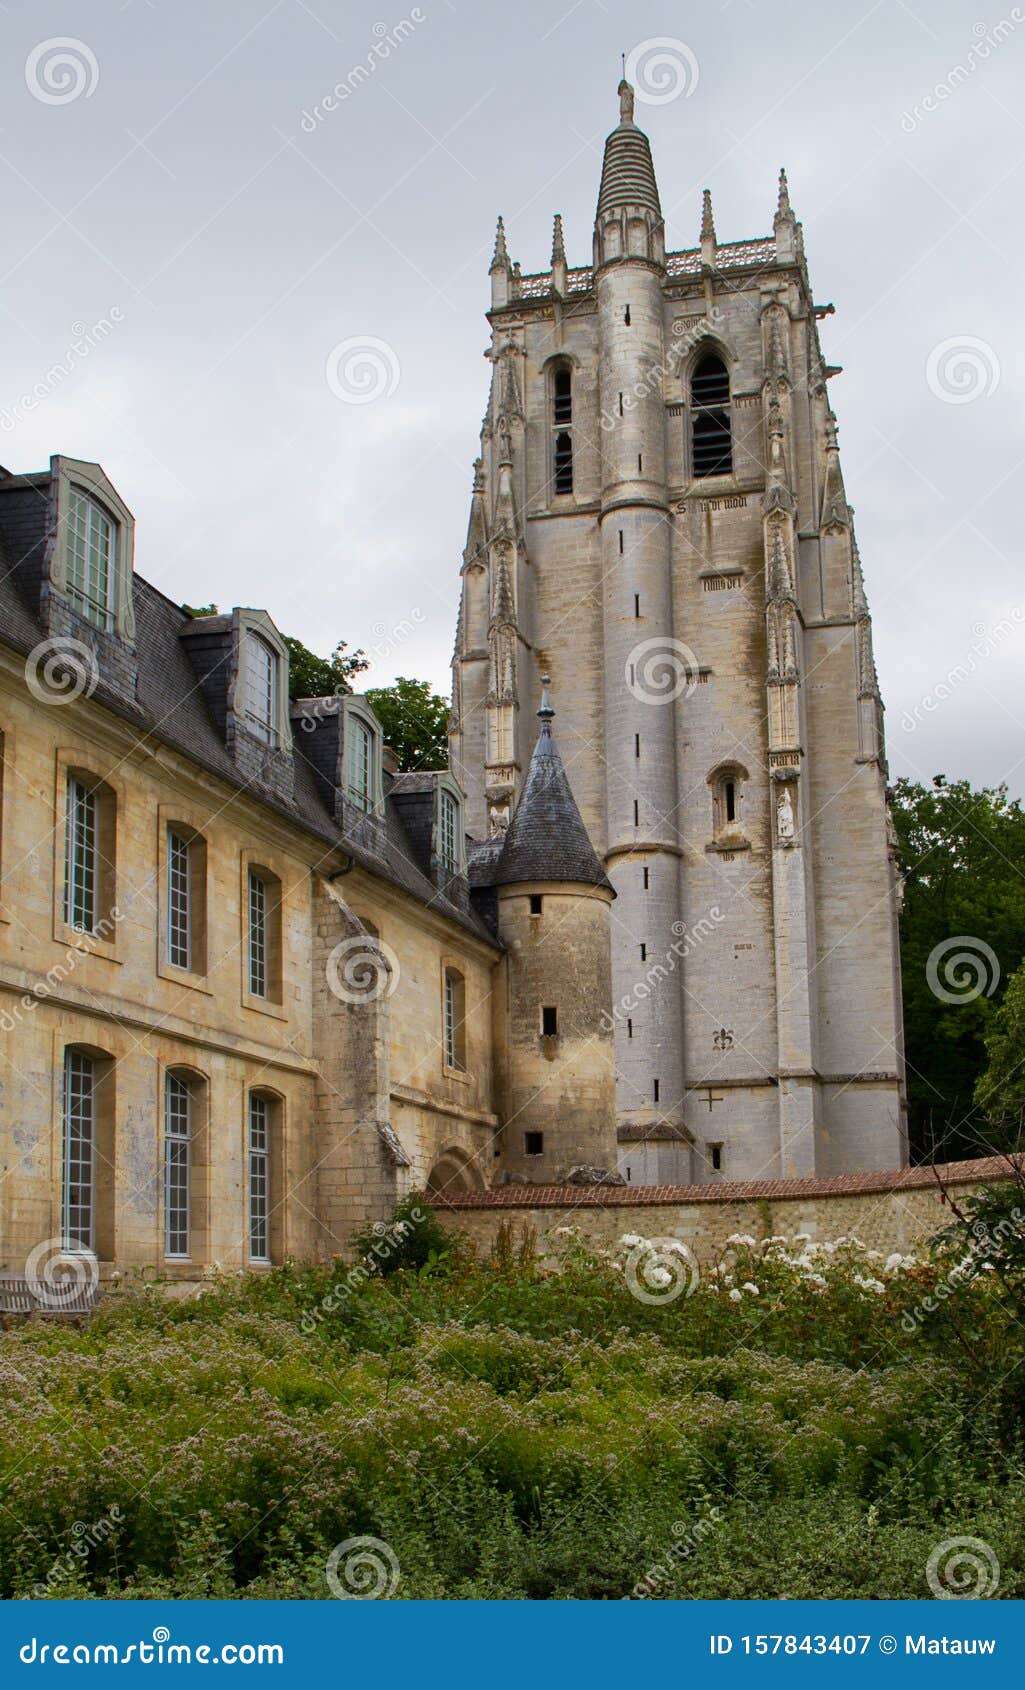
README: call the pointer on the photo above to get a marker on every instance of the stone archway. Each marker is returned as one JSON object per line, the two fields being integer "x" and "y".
{"x": 454, "y": 1170}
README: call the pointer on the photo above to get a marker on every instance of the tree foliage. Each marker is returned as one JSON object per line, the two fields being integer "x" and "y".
{"x": 310, "y": 676}
{"x": 415, "y": 722}
{"x": 962, "y": 856}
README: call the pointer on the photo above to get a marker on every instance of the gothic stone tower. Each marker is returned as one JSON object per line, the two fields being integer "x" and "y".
{"x": 659, "y": 519}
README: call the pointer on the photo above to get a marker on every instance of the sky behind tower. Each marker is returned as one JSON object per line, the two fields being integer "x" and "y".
{"x": 245, "y": 268}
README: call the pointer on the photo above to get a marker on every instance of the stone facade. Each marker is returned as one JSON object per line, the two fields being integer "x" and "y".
{"x": 683, "y": 561}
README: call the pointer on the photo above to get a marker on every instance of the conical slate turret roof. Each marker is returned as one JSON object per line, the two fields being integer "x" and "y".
{"x": 547, "y": 839}
{"x": 627, "y": 173}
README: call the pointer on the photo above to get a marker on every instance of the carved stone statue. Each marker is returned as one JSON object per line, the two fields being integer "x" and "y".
{"x": 785, "y": 814}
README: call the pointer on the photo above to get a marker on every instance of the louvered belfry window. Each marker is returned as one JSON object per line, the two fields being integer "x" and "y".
{"x": 711, "y": 431}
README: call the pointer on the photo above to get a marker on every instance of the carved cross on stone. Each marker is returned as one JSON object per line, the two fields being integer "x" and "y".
{"x": 709, "y": 1099}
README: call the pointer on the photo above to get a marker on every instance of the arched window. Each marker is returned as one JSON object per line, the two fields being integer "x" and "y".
{"x": 87, "y": 1185}
{"x": 92, "y": 558}
{"x": 263, "y": 1176}
{"x": 562, "y": 418}
{"x": 711, "y": 434}
{"x": 727, "y": 784}
{"x": 360, "y": 765}
{"x": 261, "y": 688}
{"x": 178, "y": 1121}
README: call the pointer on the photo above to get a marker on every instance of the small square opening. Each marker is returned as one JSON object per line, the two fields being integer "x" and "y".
{"x": 534, "y": 1144}
{"x": 535, "y": 903}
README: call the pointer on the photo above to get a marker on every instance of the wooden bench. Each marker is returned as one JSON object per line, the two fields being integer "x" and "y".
{"x": 19, "y": 1295}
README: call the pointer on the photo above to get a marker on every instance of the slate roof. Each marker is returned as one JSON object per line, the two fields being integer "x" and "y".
{"x": 627, "y": 173}
{"x": 170, "y": 709}
{"x": 547, "y": 839}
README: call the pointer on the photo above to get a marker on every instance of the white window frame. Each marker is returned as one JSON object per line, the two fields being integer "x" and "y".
{"x": 81, "y": 856}
{"x": 78, "y": 1151}
{"x": 449, "y": 827}
{"x": 261, "y": 690}
{"x": 91, "y": 557}
{"x": 258, "y": 935}
{"x": 178, "y": 1121}
{"x": 179, "y": 899}
{"x": 259, "y": 1128}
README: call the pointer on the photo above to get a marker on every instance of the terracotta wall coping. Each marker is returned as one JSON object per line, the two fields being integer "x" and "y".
{"x": 979, "y": 1172}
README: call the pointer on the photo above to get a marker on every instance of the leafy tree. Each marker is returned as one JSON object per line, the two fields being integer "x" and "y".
{"x": 962, "y": 856}
{"x": 310, "y": 676}
{"x": 1000, "y": 1089}
{"x": 415, "y": 722}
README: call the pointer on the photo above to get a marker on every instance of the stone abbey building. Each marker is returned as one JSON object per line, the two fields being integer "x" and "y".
{"x": 256, "y": 983}
{"x": 658, "y": 519}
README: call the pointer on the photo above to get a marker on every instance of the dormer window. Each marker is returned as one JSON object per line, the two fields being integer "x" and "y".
{"x": 360, "y": 758}
{"x": 91, "y": 558}
{"x": 448, "y": 831}
{"x": 261, "y": 688}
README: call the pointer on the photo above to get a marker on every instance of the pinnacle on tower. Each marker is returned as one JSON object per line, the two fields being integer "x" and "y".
{"x": 707, "y": 229}
{"x": 559, "y": 270}
{"x": 500, "y": 269}
{"x": 784, "y": 223}
{"x": 783, "y": 207}
{"x": 500, "y": 256}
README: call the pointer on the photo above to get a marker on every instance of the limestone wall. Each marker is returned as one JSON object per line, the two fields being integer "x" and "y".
{"x": 886, "y": 1211}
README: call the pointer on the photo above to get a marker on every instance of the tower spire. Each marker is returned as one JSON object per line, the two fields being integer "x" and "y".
{"x": 784, "y": 224}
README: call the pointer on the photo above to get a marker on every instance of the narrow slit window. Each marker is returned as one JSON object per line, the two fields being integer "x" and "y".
{"x": 258, "y": 936}
{"x": 637, "y": 813}
{"x": 656, "y": 1090}
{"x": 620, "y": 542}
{"x": 647, "y": 879}
{"x": 644, "y": 953}
{"x": 731, "y": 801}
{"x": 629, "y": 1028}
{"x": 716, "y": 1150}
{"x": 549, "y": 1021}
{"x": 637, "y": 606}
{"x": 637, "y": 745}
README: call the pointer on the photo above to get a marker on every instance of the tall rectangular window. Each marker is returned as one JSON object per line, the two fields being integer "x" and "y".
{"x": 81, "y": 857}
{"x": 454, "y": 1018}
{"x": 360, "y": 760}
{"x": 179, "y": 900}
{"x": 260, "y": 689}
{"x": 258, "y": 975}
{"x": 177, "y": 1165}
{"x": 92, "y": 549}
{"x": 259, "y": 1178}
{"x": 78, "y": 1193}
{"x": 449, "y": 831}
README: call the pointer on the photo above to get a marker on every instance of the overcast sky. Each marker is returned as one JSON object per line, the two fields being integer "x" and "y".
{"x": 192, "y": 234}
